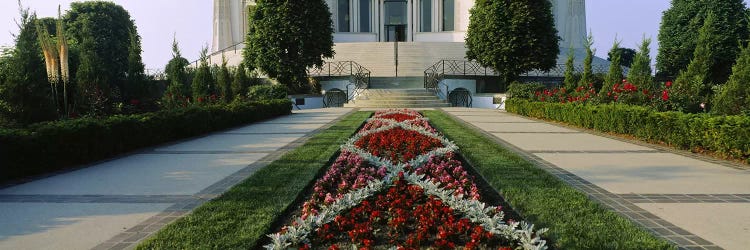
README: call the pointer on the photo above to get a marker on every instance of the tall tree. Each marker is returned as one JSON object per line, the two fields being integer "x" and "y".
{"x": 513, "y": 37}
{"x": 24, "y": 90}
{"x": 627, "y": 55}
{"x": 640, "y": 72}
{"x": 203, "y": 85}
{"x": 570, "y": 79}
{"x": 101, "y": 31}
{"x": 692, "y": 85}
{"x": 588, "y": 74}
{"x": 734, "y": 96}
{"x": 175, "y": 71}
{"x": 288, "y": 37}
{"x": 614, "y": 76}
{"x": 224, "y": 81}
{"x": 240, "y": 82}
{"x": 135, "y": 88}
{"x": 678, "y": 35}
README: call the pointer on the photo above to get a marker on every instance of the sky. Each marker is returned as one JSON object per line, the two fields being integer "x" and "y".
{"x": 190, "y": 21}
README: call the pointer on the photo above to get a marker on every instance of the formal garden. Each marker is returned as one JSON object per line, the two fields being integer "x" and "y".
{"x": 72, "y": 94}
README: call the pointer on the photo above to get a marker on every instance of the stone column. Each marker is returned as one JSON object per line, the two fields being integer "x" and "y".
{"x": 570, "y": 21}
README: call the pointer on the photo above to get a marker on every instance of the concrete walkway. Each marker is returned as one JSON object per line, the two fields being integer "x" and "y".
{"x": 117, "y": 203}
{"x": 693, "y": 201}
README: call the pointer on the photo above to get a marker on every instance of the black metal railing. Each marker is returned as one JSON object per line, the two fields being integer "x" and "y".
{"x": 358, "y": 76}
{"x": 456, "y": 68}
{"x": 233, "y": 47}
{"x": 438, "y": 71}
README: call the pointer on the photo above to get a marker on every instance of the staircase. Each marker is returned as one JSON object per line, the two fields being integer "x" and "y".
{"x": 397, "y": 98}
{"x": 407, "y": 90}
{"x": 413, "y": 57}
{"x": 392, "y": 92}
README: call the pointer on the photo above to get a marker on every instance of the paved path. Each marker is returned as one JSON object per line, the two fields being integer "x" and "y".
{"x": 114, "y": 204}
{"x": 693, "y": 201}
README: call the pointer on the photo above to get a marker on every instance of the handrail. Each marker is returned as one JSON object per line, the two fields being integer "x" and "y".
{"x": 451, "y": 67}
{"x": 208, "y": 57}
{"x": 359, "y": 76}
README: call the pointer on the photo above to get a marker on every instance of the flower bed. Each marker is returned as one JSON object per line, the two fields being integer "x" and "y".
{"x": 397, "y": 184}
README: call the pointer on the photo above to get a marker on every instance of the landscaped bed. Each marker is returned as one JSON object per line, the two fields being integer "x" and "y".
{"x": 399, "y": 184}
{"x": 360, "y": 199}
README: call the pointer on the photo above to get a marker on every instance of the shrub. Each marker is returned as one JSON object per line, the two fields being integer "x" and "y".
{"x": 267, "y": 92}
{"x": 47, "y": 147}
{"x": 725, "y": 135}
{"x": 733, "y": 98}
{"x": 524, "y": 90}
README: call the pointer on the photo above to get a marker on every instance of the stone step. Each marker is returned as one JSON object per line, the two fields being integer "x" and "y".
{"x": 378, "y": 101}
{"x": 436, "y": 105}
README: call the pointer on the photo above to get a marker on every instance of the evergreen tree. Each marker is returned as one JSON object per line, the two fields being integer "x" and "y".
{"x": 240, "y": 82}
{"x": 176, "y": 73}
{"x": 588, "y": 73}
{"x": 136, "y": 77}
{"x": 734, "y": 96}
{"x": 513, "y": 37}
{"x": 203, "y": 82}
{"x": 288, "y": 37}
{"x": 224, "y": 81}
{"x": 692, "y": 85}
{"x": 614, "y": 76}
{"x": 25, "y": 94}
{"x": 640, "y": 73}
{"x": 570, "y": 79}
{"x": 627, "y": 56}
{"x": 678, "y": 35}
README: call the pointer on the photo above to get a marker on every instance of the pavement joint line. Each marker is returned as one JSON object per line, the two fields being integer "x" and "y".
{"x": 663, "y": 149}
{"x": 593, "y": 151}
{"x": 291, "y": 123}
{"x": 527, "y": 132}
{"x": 686, "y": 198}
{"x": 37, "y": 198}
{"x": 202, "y": 152}
{"x": 181, "y": 209}
{"x": 265, "y": 133}
{"x": 509, "y": 122}
{"x": 634, "y": 213}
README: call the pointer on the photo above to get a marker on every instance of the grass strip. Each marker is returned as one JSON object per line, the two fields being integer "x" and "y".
{"x": 240, "y": 217}
{"x": 575, "y": 221}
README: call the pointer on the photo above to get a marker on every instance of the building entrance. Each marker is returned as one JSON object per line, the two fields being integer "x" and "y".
{"x": 396, "y": 20}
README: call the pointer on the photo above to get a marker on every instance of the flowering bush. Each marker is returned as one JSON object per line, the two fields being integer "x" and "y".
{"x": 418, "y": 196}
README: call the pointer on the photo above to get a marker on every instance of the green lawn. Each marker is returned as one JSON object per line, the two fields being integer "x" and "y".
{"x": 240, "y": 217}
{"x": 575, "y": 221}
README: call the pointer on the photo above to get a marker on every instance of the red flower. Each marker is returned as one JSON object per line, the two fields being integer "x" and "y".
{"x": 669, "y": 84}
{"x": 664, "y": 95}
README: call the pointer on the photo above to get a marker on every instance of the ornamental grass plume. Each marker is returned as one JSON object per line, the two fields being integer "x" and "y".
{"x": 50, "y": 52}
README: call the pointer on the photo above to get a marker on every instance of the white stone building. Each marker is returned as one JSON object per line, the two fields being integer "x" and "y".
{"x": 358, "y": 21}
{"x": 428, "y": 32}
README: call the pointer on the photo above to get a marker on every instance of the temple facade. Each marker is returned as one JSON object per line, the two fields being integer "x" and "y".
{"x": 357, "y": 21}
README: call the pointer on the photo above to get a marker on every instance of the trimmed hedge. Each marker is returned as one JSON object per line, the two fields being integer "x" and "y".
{"x": 727, "y": 136}
{"x": 51, "y": 146}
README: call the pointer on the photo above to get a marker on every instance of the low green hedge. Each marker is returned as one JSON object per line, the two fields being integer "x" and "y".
{"x": 48, "y": 147}
{"x": 727, "y": 136}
